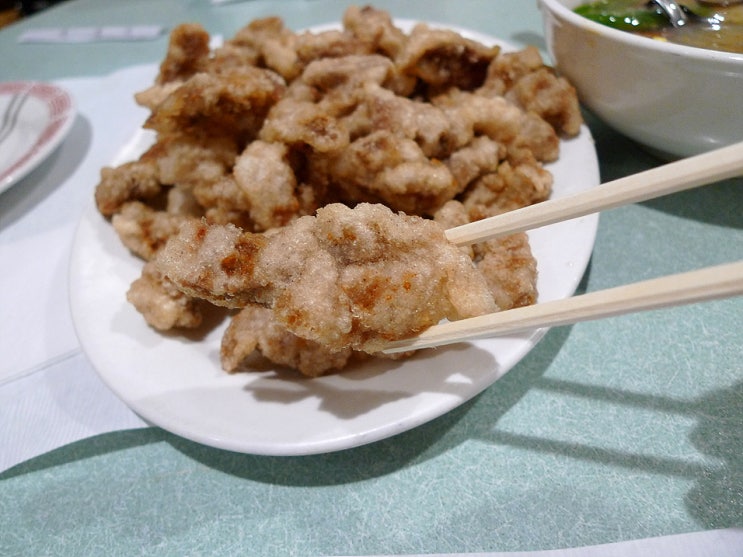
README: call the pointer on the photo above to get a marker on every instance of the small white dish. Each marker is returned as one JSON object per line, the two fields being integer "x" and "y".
{"x": 34, "y": 119}
{"x": 176, "y": 382}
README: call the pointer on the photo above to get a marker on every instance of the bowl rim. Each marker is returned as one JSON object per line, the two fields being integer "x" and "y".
{"x": 559, "y": 8}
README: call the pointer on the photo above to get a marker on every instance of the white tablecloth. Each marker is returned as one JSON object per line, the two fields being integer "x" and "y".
{"x": 49, "y": 386}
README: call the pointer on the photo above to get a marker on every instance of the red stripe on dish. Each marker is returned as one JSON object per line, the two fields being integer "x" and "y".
{"x": 59, "y": 105}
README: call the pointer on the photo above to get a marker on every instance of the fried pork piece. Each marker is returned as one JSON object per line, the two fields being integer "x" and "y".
{"x": 143, "y": 230}
{"x": 267, "y": 180}
{"x": 353, "y": 278}
{"x": 224, "y": 202}
{"x": 442, "y": 58}
{"x": 163, "y": 306}
{"x": 254, "y": 328}
{"x": 553, "y": 99}
{"x": 273, "y": 44}
{"x": 502, "y": 121}
{"x": 523, "y": 78}
{"x": 136, "y": 180}
{"x": 181, "y": 201}
{"x": 303, "y": 123}
{"x": 389, "y": 168}
{"x": 327, "y": 74}
{"x": 346, "y": 74}
{"x": 175, "y": 159}
{"x": 155, "y": 94}
{"x": 313, "y": 112}
{"x": 188, "y": 54}
{"x": 287, "y": 53}
{"x": 376, "y": 29}
{"x": 191, "y": 160}
{"x": 437, "y": 131}
{"x": 260, "y": 192}
{"x": 507, "y": 68}
{"x": 513, "y": 185}
{"x": 510, "y": 269}
{"x": 329, "y": 44}
{"x": 481, "y": 156}
{"x": 506, "y": 263}
{"x": 230, "y": 105}
{"x": 230, "y": 56}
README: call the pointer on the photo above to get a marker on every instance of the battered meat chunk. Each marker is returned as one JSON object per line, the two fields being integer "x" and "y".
{"x": 328, "y": 45}
{"x": 254, "y": 137}
{"x": 510, "y": 270}
{"x": 442, "y": 58}
{"x": 502, "y": 121}
{"x": 191, "y": 160}
{"x": 437, "y": 131}
{"x": 155, "y": 94}
{"x": 188, "y": 54}
{"x": 181, "y": 201}
{"x": 231, "y": 104}
{"x": 506, "y": 263}
{"x": 269, "y": 184}
{"x": 482, "y": 156}
{"x": 523, "y": 78}
{"x": 144, "y": 230}
{"x": 272, "y": 43}
{"x": 304, "y": 123}
{"x": 343, "y": 79}
{"x": 163, "y": 306}
{"x": 387, "y": 167}
{"x": 348, "y": 278}
{"x": 375, "y": 28}
{"x": 135, "y": 180}
{"x": 513, "y": 185}
{"x": 255, "y": 328}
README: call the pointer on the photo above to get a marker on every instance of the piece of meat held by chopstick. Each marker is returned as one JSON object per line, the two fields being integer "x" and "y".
{"x": 255, "y": 329}
{"x": 345, "y": 278}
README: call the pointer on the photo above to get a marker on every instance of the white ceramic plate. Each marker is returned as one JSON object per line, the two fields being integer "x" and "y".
{"x": 34, "y": 119}
{"x": 177, "y": 383}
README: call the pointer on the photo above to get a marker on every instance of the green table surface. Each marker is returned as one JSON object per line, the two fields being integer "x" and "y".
{"x": 609, "y": 430}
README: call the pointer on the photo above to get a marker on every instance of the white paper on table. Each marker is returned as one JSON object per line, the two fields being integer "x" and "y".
{"x": 39, "y": 216}
{"x": 713, "y": 543}
{"x": 64, "y": 403}
{"x": 108, "y": 33}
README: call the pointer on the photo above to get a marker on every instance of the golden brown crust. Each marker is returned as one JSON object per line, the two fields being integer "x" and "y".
{"x": 188, "y": 53}
{"x": 255, "y": 329}
{"x": 348, "y": 278}
{"x": 258, "y": 135}
{"x": 161, "y": 303}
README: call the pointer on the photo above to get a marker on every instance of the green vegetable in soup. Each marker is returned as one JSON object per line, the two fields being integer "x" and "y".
{"x": 626, "y": 15}
{"x": 644, "y": 18}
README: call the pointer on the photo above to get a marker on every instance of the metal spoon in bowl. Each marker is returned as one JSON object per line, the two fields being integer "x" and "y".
{"x": 677, "y": 16}
{"x": 681, "y": 15}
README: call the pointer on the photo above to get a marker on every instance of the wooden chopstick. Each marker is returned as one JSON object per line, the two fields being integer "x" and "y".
{"x": 706, "y": 284}
{"x": 711, "y": 283}
{"x": 707, "y": 168}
